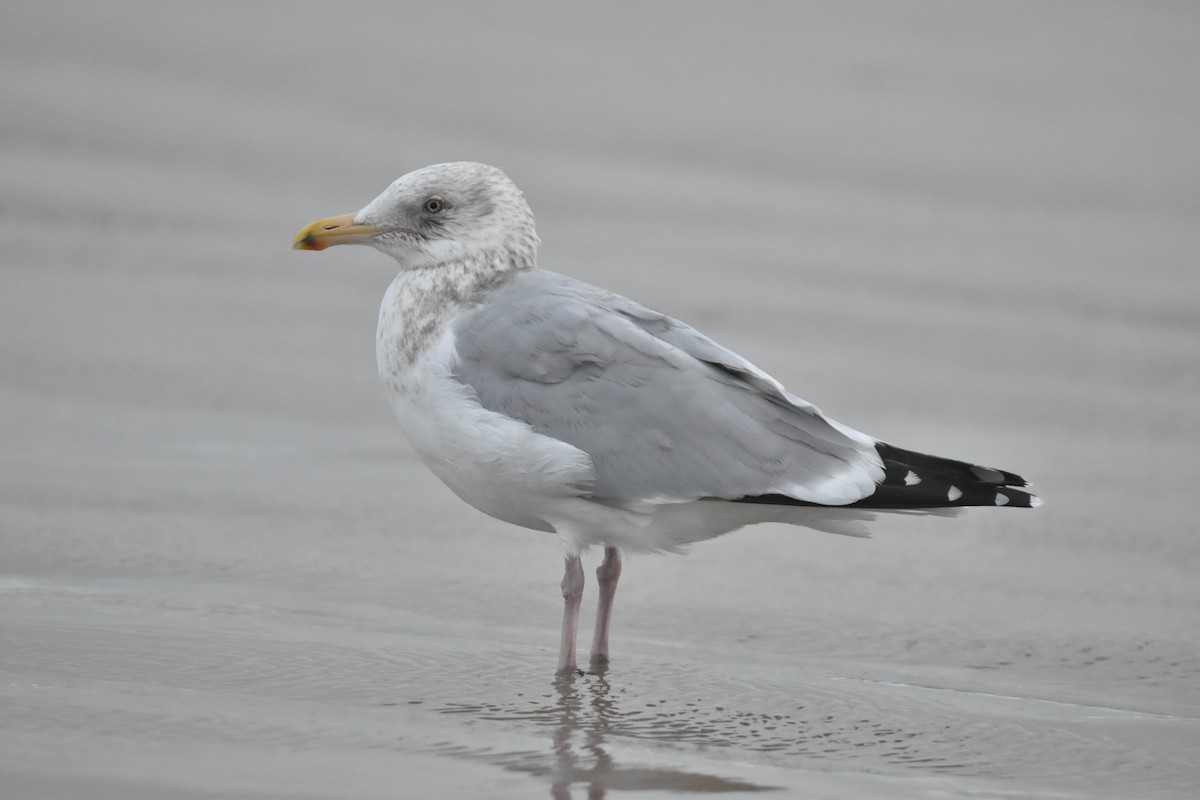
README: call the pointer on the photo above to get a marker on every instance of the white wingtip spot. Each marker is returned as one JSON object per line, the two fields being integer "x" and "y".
{"x": 1001, "y": 500}
{"x": 912, "y": 478}
{"x": 1035, "y": 501}
{"x": 953, "y": 494}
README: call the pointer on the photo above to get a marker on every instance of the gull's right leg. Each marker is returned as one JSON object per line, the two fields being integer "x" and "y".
{"x": 572, "y": 589}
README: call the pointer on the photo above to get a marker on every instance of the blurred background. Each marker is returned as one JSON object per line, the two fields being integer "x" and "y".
{"x": 970, "y": 229}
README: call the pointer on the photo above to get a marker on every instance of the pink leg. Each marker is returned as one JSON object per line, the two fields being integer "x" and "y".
{"x": 607, "y": 575}
{"x": 572, "y": 589}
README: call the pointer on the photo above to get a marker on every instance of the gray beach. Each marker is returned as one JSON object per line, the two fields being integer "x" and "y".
{"x": 968, "y": 229}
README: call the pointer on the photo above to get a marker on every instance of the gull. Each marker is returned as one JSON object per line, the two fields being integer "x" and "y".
{"x": 559, "y": 406}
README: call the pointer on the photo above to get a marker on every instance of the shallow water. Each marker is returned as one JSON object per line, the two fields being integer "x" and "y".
{"x": 966, "y": 230}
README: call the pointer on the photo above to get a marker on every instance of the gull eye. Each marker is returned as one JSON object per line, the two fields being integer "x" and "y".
{"x": 434, "y": 205}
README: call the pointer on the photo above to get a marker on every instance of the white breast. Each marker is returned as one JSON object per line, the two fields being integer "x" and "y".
{"x": 499, "y": 465}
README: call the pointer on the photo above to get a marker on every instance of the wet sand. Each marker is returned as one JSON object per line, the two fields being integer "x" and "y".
{"x": 966, "y": 230}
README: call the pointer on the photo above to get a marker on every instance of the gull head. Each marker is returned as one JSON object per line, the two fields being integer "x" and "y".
{"x": 441, "y": 214}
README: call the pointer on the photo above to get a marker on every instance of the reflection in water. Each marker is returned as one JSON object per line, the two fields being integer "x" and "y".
{"x": 587, "y": 710}
{"x": 568, "y": 769}
{"x": 582, "y": 713}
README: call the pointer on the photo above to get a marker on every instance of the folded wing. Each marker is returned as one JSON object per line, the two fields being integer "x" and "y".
{"x": 665, "y": 414}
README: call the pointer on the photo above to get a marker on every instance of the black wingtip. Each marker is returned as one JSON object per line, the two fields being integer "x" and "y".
{"x": 919, "y": 481}
{"x": 948, "y": 467}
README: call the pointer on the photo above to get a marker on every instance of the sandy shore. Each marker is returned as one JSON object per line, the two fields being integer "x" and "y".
{"x": 968, "y": 230}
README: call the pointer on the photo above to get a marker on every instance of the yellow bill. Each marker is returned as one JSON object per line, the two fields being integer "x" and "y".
{"x": 333, "y": 230}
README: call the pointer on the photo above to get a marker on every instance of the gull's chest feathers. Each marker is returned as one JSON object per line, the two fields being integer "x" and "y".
{"x": 420, "y": 305}
{"x": 489, "y": 460}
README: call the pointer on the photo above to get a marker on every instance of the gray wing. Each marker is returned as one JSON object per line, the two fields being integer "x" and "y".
{"x": 666, "y": 414}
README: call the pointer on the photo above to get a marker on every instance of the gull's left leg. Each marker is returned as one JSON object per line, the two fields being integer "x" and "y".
{"x": 572, "y": 590}
{"x": 607, "y": 575}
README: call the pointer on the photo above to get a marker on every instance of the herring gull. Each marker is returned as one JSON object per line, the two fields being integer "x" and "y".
{"x": 558, "y": 406}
